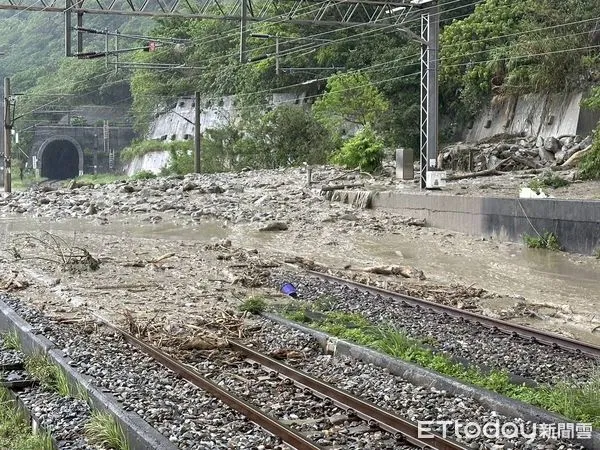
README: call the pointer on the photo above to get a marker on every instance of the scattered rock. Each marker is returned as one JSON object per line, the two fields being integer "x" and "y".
{"x": 189, "y": 187}
{"x": 91, "y": 210}
{"x": 274, "y": 226}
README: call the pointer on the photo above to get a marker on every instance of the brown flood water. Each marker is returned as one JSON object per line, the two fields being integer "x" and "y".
{"x": 569, "y": 284}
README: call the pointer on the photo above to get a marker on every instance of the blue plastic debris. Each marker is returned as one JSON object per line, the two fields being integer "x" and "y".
{"x": 289, "y": 289}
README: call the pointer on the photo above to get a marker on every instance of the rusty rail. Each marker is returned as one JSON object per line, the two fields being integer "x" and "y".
{"x": 541, "y": 337}
{"x": 287, "y": 435}
{"x": 361, "y": 408}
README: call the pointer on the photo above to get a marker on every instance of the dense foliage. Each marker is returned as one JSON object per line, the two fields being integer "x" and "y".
{"x": 369, "y": 77}
{"x": 589, "y": 168}
{"x": 518, "y": 47}
{"x": 363, "y": 151}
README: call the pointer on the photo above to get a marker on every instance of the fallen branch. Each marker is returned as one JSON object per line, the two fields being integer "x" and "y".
{"x": 483, "y": 173}
{"x": 524, "y": 161}
{"x": 121, "y": 286}
{"x": 335, "y": 187}
{"x": 404, "y": 271}
{"x": 575, "y": 158}
{"x": 161, "y": 258}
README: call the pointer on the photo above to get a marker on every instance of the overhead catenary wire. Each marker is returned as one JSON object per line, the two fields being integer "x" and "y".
{"x": 380, "y": 64}
{"x": 338, "y": 30}
{"x": 258, "y": 106}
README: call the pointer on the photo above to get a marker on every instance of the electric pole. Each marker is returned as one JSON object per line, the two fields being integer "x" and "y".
{"x": 430, "y": 37}
{"x": 197, "y": 135}
{"x": 7, "y": 135}
{"x": 244, "y": 32}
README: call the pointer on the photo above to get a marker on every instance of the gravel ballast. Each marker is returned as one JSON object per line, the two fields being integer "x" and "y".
{"x": 460, "y": 339}
{"x": 63, "y": 417}
{"x": 393, "y": 392}
{"x": 187, "y": 416}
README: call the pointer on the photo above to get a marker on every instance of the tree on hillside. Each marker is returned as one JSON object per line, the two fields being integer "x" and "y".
{"x": 508, "y": 47}
{"x": 350, "y": 98}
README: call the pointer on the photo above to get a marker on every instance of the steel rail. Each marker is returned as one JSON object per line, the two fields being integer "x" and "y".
{"x": 287, "y": 435}
{"x": 361, "y": 408}
{"x": 534, "y": 335}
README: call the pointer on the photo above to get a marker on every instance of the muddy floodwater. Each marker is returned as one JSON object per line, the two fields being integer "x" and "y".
{"x": 564, "y": 288}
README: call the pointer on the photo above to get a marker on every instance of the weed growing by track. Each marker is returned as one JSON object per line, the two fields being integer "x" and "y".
{"x": 547, "y": 240}
{"x": 547, "y": 180}
{"x": 103, "y": 430}
{"x": 52, "y": 377}
{"x": 579, "y": 403}
{"x": 11, "y": 341}
{"x": 15, "y": 432}
{"x": 254, "y": 305}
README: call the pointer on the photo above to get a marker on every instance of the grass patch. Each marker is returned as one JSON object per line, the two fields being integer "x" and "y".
{"x": 547, "y": 180}
{"x": 578, "y": 403}
{"x": 142, "y": 148}
{"x": 254, "y": 305}
{"x": 11, "y": 341}
{"x": 144, "y": 175}
{"x": 49, "y": 375}
{"x": 101, "y": 178}
{"x": 547, "y": 240}
{"x": 15, "y": 432}
{"x": 28, "y": 180}
{"x": 103, "y": 430}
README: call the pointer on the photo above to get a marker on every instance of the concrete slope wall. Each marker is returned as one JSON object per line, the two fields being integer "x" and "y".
{"x": 534, "y": 115}
{"x": 177, "y": 124}
{"x": 152, "y": 162}
{"x": 575, "y": 222}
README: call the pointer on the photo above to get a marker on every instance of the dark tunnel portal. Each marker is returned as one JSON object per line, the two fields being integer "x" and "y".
{"x": 60, "y": 160}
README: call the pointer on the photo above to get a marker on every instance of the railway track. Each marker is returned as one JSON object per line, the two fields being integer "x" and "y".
{"x": 511, "y": 329}
{"x": 17, "y": 384}
{"x": 399, "y": 428}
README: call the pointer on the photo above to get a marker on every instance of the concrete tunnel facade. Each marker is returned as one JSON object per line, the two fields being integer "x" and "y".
{"x": 60, "y": 158}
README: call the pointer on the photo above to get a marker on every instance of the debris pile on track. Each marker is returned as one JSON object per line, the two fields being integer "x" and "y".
{"x": 187, "y": 416}
{"x": 520, "y": 153}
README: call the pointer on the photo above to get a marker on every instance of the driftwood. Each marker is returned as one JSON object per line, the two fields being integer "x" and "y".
{"x": 335, "y": 187}
{"x": 403, "y": 271}
{"x": 575, "y": 158}
{"x": 413, "y": 222}
{"x": 161, "y": 258}
{"x": 483, "y": 173}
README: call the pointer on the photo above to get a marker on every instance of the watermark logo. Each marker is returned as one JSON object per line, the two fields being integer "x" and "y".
{"x": 507, "y": 430}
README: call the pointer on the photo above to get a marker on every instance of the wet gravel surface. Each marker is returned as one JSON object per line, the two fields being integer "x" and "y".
{"x": 392, "y": 392}
{"x": 63, "y": 417}
{"x": 457, "y": 338}
{"x": 296, "y": 407}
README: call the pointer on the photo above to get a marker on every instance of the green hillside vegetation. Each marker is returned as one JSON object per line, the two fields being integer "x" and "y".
{"x": 492, "y": 47}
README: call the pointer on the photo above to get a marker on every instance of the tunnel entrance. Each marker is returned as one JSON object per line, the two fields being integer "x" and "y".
{"x": 60, "y": 160}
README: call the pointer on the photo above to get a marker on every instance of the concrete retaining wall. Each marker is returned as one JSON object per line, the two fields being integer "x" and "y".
{"x": 153, "y": 162}
{"x": 575, "y": 222}
{"x": 543, "y": 115}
